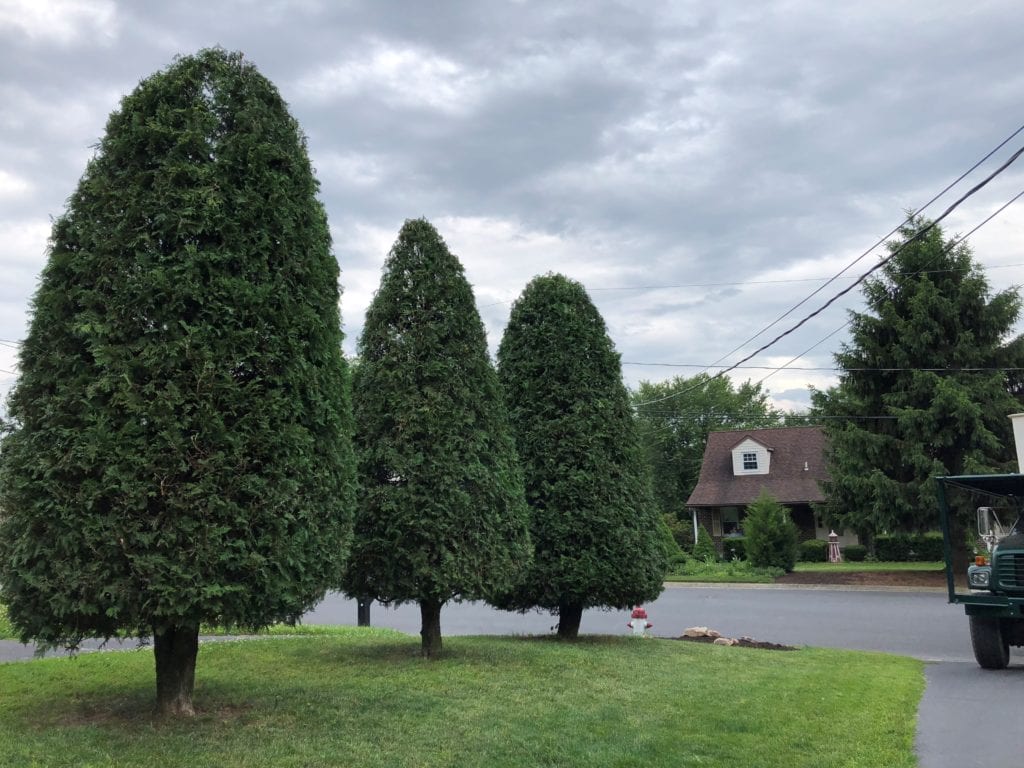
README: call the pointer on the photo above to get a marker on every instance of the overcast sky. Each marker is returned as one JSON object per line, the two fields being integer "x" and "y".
{"x": 699, "y": 167}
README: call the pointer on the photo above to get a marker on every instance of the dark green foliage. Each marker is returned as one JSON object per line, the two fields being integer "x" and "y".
{"x": 179, "y": 446}
{"x": 734, "y": 548}
{"x": 772, "y": 536}
{"x": 704, "y": 547}
{"x": 813, "y": 551}
{"x": 682, "y": 531}
{"x": 929, "y": 309}
{"x": 854, "y": 553}
{"x": 674, "y": 418}
{"x": 596, "y": 530}
{"x": 668, "y": 539}
{"x": 441, "y": 512}
{"x": 907, "y": 547}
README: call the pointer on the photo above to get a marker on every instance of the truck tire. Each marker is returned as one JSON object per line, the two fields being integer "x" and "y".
{"x": 991, "y": 649}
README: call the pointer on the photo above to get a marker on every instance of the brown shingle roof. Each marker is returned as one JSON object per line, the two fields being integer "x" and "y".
{"x": 787, "y": 481}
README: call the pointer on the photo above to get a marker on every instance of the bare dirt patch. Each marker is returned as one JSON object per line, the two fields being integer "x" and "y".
{"x": 868, "y": 578}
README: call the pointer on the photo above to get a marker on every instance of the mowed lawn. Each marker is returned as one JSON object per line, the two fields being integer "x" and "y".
{"x": 363, "y": 697}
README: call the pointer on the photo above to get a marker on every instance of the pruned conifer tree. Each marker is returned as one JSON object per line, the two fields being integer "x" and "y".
{"x": 441, "y": 513}
{"x": 595, "y": 527}
{"x": 179, "y": 444}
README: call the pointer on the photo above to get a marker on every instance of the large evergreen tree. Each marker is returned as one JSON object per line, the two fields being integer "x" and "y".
{"x": 441, "y": 512}
{"x": 179, "y": 445}
{"x": 674, "y": 419}
{"x": 923, "y": 390}
{"x": 596, "y": 531}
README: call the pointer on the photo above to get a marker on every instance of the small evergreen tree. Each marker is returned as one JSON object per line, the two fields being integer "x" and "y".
{"x": 179, "y": 447}
{"x": 598, "y": 538}
{"x": 441, "y": 512}
{"x": 772, "y": 538}
{"x": 704, "y": 546}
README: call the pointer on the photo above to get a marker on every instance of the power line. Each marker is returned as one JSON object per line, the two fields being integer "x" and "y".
{"x": 990, "y": 369}
{"x": 880, "y": 241}
{"x": 954, "y": 243}
{"x": 917, "y": 235}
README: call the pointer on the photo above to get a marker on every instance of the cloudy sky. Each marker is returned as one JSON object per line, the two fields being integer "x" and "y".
{"x": 700, "y": 167}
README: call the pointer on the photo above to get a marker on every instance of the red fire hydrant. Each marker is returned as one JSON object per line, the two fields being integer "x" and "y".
{"x": 638, "y": 622}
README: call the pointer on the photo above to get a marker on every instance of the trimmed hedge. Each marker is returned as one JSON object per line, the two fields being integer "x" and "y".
{"x": 855, "y": 553}
{"x": 909, "y": 547}
{"x": 734, "y": 548}
{"x": 813, "y": 551}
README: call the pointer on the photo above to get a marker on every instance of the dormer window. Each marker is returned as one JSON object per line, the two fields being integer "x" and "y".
{"x": 750, "y": 457}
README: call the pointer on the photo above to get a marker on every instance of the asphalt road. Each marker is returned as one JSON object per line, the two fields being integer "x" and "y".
{"x": 968, "y": 716}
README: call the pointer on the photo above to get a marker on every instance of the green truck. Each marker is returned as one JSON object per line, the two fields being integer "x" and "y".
{"x": 994, "y": 600}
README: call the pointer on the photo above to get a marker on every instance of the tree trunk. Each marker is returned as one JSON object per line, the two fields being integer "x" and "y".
{"x": 569, "y": 616}
{"x": 363, "y": 611}
{"x": 175, "y": 649}
{"x": 430, "y": 632}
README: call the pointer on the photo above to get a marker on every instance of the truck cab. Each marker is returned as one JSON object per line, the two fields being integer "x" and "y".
{"x": 994, "y": 602}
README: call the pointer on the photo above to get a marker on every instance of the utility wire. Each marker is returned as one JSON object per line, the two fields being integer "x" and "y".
{"x": 917, "y": 235}
{"x": 880, "y": 241}
{"x": 953, "y": 244}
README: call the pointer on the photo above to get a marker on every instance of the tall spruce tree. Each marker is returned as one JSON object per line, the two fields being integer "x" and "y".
{"x": 922, "y": 391}
{"x": 441, "y": 512}
{"x": 179, "y": 445}
{"x": 595, "y": 527}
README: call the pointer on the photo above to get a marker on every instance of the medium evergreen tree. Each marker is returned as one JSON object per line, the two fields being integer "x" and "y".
{"x": 179, "y": 445}
{"x": 441, "y": 512}
{"x": 922, "y": 390}
{"x": 596, "y": 531}
{"x": 772, "y": 537}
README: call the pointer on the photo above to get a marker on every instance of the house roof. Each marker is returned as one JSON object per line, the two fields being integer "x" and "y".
{"x": 787, "y": 480}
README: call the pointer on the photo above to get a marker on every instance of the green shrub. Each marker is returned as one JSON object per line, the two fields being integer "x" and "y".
{"x": 682, "y": 531}
{"x": 855, "y": 553}
{"x": 893, "y": 547}
{"x": 813, "y": 551}
{"x": 704, "y": 547}
{"x": 909, "y": 547}
{"x": 772, "y": 536}
{"x": 929, "y": 546}
{"x": 734, "y": 548}
{"x": 668, "y": 541}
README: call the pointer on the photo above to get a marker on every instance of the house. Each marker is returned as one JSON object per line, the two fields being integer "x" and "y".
{"x": 787, "y": 462}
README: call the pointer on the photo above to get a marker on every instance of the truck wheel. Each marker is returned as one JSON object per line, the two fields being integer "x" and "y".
{"x": 991, "y": 649}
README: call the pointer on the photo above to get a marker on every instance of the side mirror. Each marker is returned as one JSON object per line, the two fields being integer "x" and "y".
{"x": 989, "y": 527}
{"x": 985, "y": 515}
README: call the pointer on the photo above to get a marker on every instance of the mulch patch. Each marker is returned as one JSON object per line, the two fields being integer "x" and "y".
{"x": 868, "y": 578}
{"x": 742, "y": 642}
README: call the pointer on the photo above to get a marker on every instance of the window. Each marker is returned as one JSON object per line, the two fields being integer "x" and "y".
{"x": 750, "y": 460}
{"x": 731, "y": 521}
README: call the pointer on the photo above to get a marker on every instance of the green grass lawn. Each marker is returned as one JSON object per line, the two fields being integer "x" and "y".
{"x": 848, "y": 567}
{"x": 6, "y": 630}
{"x": 363, "y": 697}
{"x": 735, "y": 572}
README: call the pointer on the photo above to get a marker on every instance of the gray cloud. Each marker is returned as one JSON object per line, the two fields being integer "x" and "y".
{"x": 682, "y": 143}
